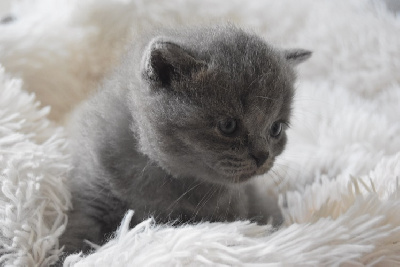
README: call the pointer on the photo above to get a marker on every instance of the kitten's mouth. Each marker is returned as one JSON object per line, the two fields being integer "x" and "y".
{"x": 238, "y": 171}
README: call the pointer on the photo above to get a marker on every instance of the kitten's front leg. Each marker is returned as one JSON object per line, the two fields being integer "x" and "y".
{"x": 93, "y": 218}
{"x": 80, "y": 227}
{"x": 263, "y": 207}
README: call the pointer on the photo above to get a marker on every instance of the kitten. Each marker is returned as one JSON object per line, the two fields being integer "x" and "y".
{"x": 179, "y": 133}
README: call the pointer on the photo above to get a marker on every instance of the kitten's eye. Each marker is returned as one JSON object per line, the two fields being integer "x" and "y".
{"x": 276, "y": 129}
{"x": 227, "y": 126}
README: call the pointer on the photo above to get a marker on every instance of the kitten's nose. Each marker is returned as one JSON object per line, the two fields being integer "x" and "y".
{"x": 260, "y": 157}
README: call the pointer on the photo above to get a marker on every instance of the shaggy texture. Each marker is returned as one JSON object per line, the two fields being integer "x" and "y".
{"x": 338, "y": 180}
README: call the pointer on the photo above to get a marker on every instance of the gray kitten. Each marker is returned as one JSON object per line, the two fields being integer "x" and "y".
{"x": 177, "y": 132}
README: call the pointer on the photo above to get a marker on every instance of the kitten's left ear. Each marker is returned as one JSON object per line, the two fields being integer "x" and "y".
{"x": 297, "y": 56}
{"x": 165, "y": 61}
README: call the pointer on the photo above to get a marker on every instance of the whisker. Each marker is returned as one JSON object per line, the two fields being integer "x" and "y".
{"x": 248, "y": 87}
{"x": 184, "y": 194}
{"x": 203, "y": 199}
{"x": 216, "y": 209}
{"x": 285, "y": 168}
{"x": 228, "y": 207}
{"x": 265, "y": 97}
{"x": 213, "y": 190}
{"x": 279, "y": 180}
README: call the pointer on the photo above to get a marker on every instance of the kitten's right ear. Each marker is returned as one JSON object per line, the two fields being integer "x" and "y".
{"x": 165, "y": 62}
{"x": 297, "y": 56}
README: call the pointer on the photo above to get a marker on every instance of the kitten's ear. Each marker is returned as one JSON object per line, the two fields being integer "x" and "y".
{"x": 297, "y": 56}
{"x": 165, "y": 61}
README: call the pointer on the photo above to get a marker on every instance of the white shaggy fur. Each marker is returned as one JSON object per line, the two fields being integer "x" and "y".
{"x": 33, "y": 162}
{"x": 338, "y": 180}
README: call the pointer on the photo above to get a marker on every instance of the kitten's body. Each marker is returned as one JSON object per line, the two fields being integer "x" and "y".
{"x": 150, "y": 139}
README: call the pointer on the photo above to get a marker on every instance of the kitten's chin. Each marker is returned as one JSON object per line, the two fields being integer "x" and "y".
{"x": 244, "y": 177}
{"x": 226, "y": 179}
{"x": 234, "y": 178}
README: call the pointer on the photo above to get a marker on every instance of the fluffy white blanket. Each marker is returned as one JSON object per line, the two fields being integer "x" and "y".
{"x": 338, "y": 181}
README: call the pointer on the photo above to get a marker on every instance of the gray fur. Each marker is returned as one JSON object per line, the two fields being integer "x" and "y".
{"x": 148, "y": 140}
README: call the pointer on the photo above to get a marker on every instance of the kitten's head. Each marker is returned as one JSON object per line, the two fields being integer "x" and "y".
{"x": 214, "y": 104}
